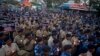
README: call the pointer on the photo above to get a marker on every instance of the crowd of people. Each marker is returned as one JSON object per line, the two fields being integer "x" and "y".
{"x": 50, "y": 33}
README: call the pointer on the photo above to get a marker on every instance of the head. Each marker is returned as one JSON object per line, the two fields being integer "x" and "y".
{"x": 28, "y": 36}
{"x": 75, "y": 40}
{"x": 68, "y": 48}
{"x": 40, "y": 41}
{"x": 8, "y": 41}
{"x": 68, "y": 36}
{"x": 20, "y": 31}
{"x": 87, "y": 32}
{"x": 56, "y": 42}
{"x": 91, "y": 48}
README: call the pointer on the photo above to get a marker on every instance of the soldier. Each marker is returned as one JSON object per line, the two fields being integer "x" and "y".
{"x": 19, "y": 38}
{"x": 11, "y": 49}
{"x": 29, "y": 43}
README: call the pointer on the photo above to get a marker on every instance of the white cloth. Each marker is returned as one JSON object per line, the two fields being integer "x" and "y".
{"x": 2, "y": 52}
{"x": 50, "y": 41}
{"x": 88, "y": 53}
{"x": 11, "y": 49}
{"x": 66, "y": 42}
{"x": 19, "y": 39}
{"x": 62, "y": 34}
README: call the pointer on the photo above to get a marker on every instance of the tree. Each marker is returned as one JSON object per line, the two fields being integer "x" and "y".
{"x": 95, "y": 4}
{"x": 13, "y": 2}
{"x": 55, "y": 2}
{"x": 49, "y": 3}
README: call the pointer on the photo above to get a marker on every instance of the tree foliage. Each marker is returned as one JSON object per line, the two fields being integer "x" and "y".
{"x": 56, "y": 2}
{"x": 95, "y": 4}
{"x": 13, "y": 2}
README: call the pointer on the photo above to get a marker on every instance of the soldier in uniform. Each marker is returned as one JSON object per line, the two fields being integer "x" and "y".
{"x": 19, "y": 38}
{"x": 29, "y": 43}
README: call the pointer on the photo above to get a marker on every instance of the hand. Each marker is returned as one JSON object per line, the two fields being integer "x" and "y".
{"x": 14, "y": 53}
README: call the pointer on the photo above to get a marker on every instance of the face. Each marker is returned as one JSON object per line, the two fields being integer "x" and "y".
{"x": 2, "y": 37}
{"x": 41, "y": 42}
{"x": 8, "y": 42}
{"x": 92, "y": 50}
{"x": 30, "y": 37}
{"x": 20, "y": 33}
